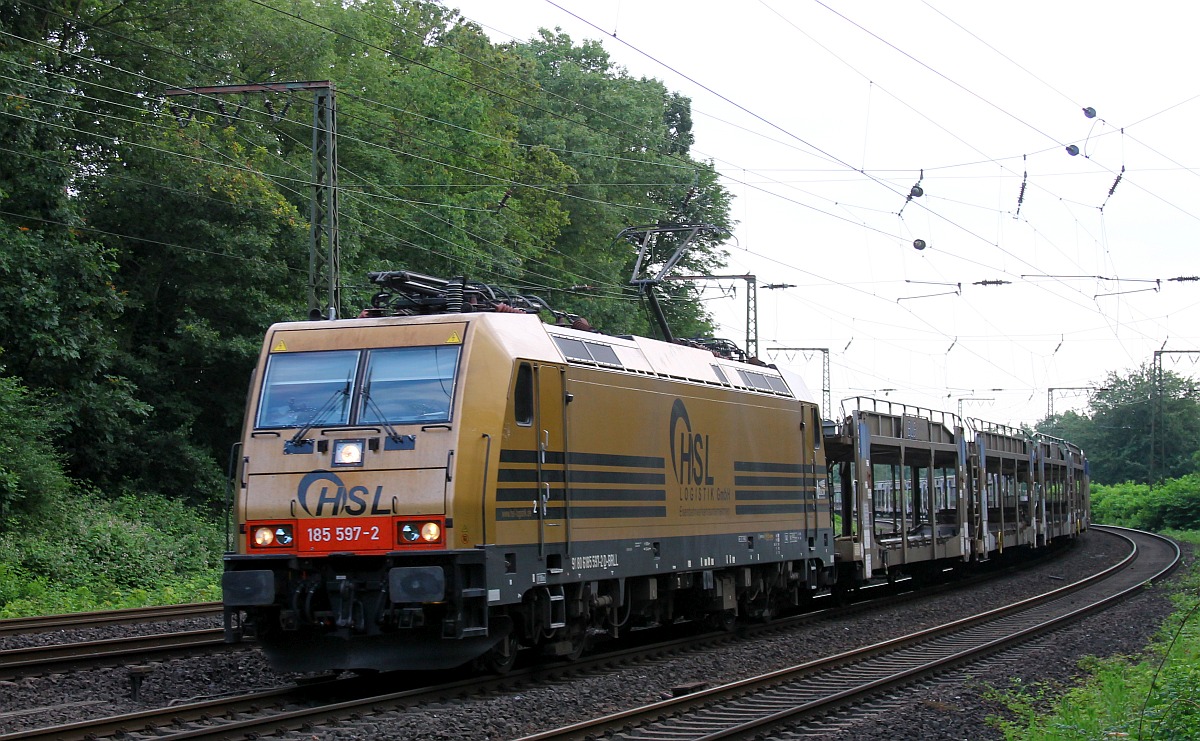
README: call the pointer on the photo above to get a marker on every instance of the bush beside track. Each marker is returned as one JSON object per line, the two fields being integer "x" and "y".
{"x": 1147, "y": 696}
{"x": 82, "y": 552}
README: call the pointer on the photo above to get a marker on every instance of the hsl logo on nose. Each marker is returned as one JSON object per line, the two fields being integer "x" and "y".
{"x": 339, "y": 499}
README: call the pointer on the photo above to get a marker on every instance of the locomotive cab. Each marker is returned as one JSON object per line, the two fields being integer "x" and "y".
{"x": 345, "y": 507}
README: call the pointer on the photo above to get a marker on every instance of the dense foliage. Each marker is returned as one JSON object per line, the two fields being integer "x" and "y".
{"x": 1137, "y": 427}
{"x": 86, "y": 552}
{"x": 1169, "y": 505}
{"x": 64, "y": 548}
{"x": 147, "y": 241}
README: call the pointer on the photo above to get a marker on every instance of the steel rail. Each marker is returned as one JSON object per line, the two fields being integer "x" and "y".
{"x": 747, "y": 707}
{"x": 35, "y": 660}
{"x": 47, "y": 623}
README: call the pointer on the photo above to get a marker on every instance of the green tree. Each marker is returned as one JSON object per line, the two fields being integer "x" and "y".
{"x": 31, "y": 473}
{"x": 210, "y": 254}
{"x": 628, "y": 140}
{"x": 57, "y": 295}
{"x": 1123, "y": 421}
{"x": 432, "y": 177}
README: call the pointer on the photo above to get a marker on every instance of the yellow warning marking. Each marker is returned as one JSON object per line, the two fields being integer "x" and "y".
{"x": 453, "y": 339}
{"x": 280, "y": 346}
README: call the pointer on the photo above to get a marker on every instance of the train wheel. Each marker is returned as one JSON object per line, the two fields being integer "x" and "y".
{"x": 725, "y": 620}
{"x": 579, "y": 643}
{"x": 501, "y": 658}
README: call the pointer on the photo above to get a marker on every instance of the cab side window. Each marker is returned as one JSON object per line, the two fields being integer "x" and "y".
{"x": 523, "y": 395}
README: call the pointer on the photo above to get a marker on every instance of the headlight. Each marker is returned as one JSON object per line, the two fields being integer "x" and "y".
{"x": 426, "y": 531}
{"x": 348, "y": 452}
{"x": 267, "y": 536}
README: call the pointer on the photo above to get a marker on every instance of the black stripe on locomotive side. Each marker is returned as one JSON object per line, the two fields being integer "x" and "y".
{"x": 617, "y": 461}
{"x": 528, "y": 493}
{"x": 615, "y": 477}
{"x": 774, "y": 481}
{"x": 774, "y": 494}
{"x": 618, "y": 495}
{"x": 527, "y": 475}
{"x": 764, "y": 467}
{"x": 515, "y": 455}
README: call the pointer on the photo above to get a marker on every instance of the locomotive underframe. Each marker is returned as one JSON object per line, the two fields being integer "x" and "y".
{"x": 349, "y": 614}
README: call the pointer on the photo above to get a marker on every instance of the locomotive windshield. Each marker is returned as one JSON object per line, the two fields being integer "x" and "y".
{"x": 308, "y": 388}
{"x": 402, "y": 385}
{"x": 408, "y": 384}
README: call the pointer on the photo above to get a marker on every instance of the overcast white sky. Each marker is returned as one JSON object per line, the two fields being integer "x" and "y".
{"x": 821, "y": 116}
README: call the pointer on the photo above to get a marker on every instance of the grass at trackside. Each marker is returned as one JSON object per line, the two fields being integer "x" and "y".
{"x": 91, "y": 553}
{"x": 43, "y": 600}
{"x": 1152, "y": 696}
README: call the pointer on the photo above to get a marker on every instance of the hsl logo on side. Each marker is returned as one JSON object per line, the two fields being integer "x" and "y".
{"x": 690, "y": 460}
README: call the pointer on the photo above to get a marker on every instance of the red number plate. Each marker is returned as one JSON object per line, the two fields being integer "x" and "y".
{"x": 348, "y": 534}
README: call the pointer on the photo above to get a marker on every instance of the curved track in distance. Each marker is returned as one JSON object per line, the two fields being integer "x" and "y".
{"x": 783, "y": 698}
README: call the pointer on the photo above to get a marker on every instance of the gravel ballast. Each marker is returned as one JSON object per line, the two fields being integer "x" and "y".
{"x": 947, "y": 710}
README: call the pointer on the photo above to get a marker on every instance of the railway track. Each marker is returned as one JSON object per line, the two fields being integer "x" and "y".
{"x": 784, "y": 698}
{"x": 45, "y": 624}
{"x": 134, "y": 650}
{"x": 317, "y": 704}
{"x": 73, "y": 654}
{"x": 38, "y": 660}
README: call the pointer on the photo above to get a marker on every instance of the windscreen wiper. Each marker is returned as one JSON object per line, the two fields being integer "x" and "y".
{"x": 391, "y": 431}
{"x": 299, "y": 438}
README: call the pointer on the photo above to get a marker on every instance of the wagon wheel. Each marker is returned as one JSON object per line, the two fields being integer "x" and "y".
{"x": 725, "y": 620}
{"x": 579, "y": 642}
{"x": 501, "y": 658}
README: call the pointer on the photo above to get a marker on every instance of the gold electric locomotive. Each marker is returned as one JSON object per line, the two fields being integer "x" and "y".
{"x": 461, "y": 481}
